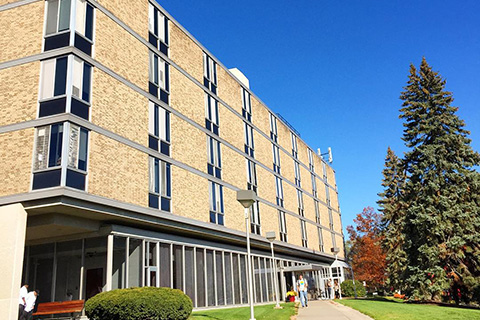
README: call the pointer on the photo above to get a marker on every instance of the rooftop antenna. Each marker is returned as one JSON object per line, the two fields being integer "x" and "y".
{"x": 330, "y": 156}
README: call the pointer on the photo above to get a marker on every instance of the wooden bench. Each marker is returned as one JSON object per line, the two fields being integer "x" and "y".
{"x": 62, "y": 307}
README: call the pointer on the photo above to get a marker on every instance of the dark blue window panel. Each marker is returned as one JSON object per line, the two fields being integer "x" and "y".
{"x": 165, "y": 204}
{"x": 206, "y": 83}
{"x": 87, "y": 71}
{"x": 57, "y": 41}
{"x": 155, "y": 121}
{"x": 213, "y": 217}
{"x": 153, "y": 201}
{"x": 169, "y": 181}
{"x": 56, "y": 138}
{"x": 60, "y": 76}
{"x": 83, "y": 44}
{"x": 208, "y": 124}
{"x": 80, "y": 108}
{"x": 75, "y": 180}
{"x": 167, "y": 77}
{"x": 220, "y": 219}
{"x": 166, "y": 30}
{"x": 155, "y": 20}
{"x": 153, "y": 143}
{"x": 218, "y": 173}
{"x": 89, "y": 22}
{"x": 163, "y": 96}
{"x": 214, "y": 89}
{"x": 163, "y": 48}
{"x": 152, "y": 39}
{"x": 210, "y": 169}
{"x": 167, "y": 126}
{"x": 51, "y": 107}
{"x": 165, "y": 148}
{"x": 215, "y": 129}
{"x": 153, "y": 89}
{"x": 47, "y": 179}
{"x": 83, "y": 149}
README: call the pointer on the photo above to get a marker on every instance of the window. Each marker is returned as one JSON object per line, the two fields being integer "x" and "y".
{"x": 211, "y": 114}
{"x": 252, "y": 176}
{"x": 279, "y": 191}
{"x": 310, "y": 160}
{"x": 81, "y": 79}
{"x": 330, "y": 218}
{"x": 214, "y": 165}
{"x": 294, "y": 145}
{"x": 78, "y": 148}
{"x": 273, "y": 128}
{"x": 48, "y": 147}
{"x": 159, "y": 184}
{"x": 276, "y": 158}
{"x": 249, "y": 146}
{"x": 317, "y": 212}
{"x": 247, "y": 105}
{"x": 320, "y": 240}
{"x": 84, "y": 19}
{"x": 209, "y": 73}
{"x": 58, "y": 16}
{"x": 158, "y": 29}
{"x": 303, "y": 226}
{"x": 48, "y": 156}
{"x": 216, "y": 203}
{"x": 283, "y": 226}
{"x": 54, "y": 78}
{"x": 297, "y": 174}
{"x": 159, "y": 128}
{"x": 159, "y": 77}
{"x": 300, "y": 203}
{"x": 314, "y": 186}
{"x": 255, "y": 218}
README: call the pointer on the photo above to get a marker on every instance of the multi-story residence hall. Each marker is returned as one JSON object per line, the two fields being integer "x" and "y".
{"x": 123, "y": 142}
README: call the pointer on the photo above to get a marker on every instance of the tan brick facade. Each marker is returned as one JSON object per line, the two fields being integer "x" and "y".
{"x": 266, "y": 183}
{"x": 337, "y": 223}
{"x": 260, "y": 116}
{"x": 309, "y": 207}
{"x": 312, "y": 233}
{"x": 120, "y": 51}
{"x": 290, "y": 197}
{"x": 24, "y": 37}
{"x": 119, "y": 109}
{"x": 186, "y": 53}
{"x": 294, "y": 233}
{"x": 269, "y": 220}
{"x": 231, "y": 128}
{"x": 19, "y": 93}
{"x": 331, "y": 176}
{"x": 234, "y": 212}
{"x": 234, "y": 169}
{"x": 229, "y": 90}
{"x": 117, "y": 171}
{"x": 186, "y": 97}
{"x": 124, "y": 9}
{"x": 287, "y": 166}
{"x": 188, "y": 144}
{"x": 334, "y": 199}
{"x": 16, "y": 165}
{"x": 263, "y": 145}
{"x": 190, "y": 195}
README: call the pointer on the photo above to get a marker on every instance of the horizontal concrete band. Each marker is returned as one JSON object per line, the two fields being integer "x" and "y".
{"x": 86, "y": 124}
{"x": 65, "y": 196}
{"x": 89, "y": 125}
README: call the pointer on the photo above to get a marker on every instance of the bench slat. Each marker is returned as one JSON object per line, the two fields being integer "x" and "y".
{"x": 59, "y": 307}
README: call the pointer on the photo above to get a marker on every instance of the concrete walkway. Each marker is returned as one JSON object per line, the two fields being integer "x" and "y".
{"x": 329, "y": 310}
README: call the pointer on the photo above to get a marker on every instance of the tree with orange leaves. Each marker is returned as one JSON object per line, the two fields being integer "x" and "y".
{"x": 367, "y": 256}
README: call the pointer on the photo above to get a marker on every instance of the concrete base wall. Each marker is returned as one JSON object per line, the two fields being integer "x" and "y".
{"x": 12, "y": 244}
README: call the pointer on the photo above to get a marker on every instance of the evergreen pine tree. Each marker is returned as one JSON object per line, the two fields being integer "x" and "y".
{"x": 393, "y": 219}
{"x": 442, "y": 191}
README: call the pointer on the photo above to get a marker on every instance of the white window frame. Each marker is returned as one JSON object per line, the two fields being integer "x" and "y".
{"x": 163, "y": 128}
{"x": 157, "y": 70}
{"x": 276, "y": 158}
{"x": 294, "y": 145}
{"x": 211, "y": 109}
{"x": 47, "y": 16}
{"x": 214, "y": 152}
{"x": 247, "y": 105}
{"x": 161, "y": 23}
{"x": 162, "y": 177}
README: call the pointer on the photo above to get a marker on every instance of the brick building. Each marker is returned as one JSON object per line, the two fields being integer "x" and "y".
{"x": 123, "y": 142}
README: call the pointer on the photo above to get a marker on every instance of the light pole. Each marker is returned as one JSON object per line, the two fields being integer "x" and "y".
{"x": 247, "y": 198}
{"x": 271, "y": 237}
{"x": 335, "y": 251}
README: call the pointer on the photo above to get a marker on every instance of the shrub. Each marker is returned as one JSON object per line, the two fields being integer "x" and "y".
{"x": 147, "y": 303}
{"x": 347, "y": 288}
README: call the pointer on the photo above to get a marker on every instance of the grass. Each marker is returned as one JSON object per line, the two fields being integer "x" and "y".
{"x": 389, "y": 309}
{"x": 266, "y": 312}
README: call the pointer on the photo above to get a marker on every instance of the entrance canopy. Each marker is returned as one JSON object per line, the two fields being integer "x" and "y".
{"x": 340, "y": 264}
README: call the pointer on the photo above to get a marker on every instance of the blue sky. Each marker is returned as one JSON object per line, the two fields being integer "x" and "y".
{"x": 335, "y": 69}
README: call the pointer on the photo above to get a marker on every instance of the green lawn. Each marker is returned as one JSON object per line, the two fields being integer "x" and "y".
{"x": 266, "y": 312}
{"x": 386, "y": 309}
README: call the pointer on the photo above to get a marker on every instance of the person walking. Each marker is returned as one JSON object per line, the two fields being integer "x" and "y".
{"x": 22, "y": 300}
{"x": 329, "y": 289}
{"x": 30, "y": 305}
{"x": 302, "y": 286}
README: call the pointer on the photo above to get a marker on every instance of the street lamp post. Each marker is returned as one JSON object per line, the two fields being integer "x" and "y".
{"x": 335, "y": 251}
{"x": 247, "y": 198}
{"x": 271, "y": 237}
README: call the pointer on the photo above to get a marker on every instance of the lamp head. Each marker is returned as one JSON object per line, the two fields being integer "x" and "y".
{"x": 271, "y": 236}
{"x": 246, "y": 197}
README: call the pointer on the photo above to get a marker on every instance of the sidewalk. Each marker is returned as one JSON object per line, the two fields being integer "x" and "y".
{"x": 329, "y": 310}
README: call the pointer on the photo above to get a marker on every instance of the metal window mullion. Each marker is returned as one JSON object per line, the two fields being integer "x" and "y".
{"x": 73, "y": 20}
{"x": 157, "y": 278}
{"x": 172, "y": 256}
{"x": 143, "y": 263}
{"x": 195, "y": 276}
{"x": 240, "y": 277}
{"x": 127, "y": 260}
{"x": 64, "y": 153}
{"x": 252, "y": 263}
{"x": 109, "y": 269}
{"x": 215, "y": 275}
{"x": 233, "y": 280}
{"x": 205, "y": 275}
{"x": 224, "y": 282}
{"x": 266, "y": 278}
{"x": 54, "y": 273}
{"x": 183, "y": 269}
{"x": 82, "y": 271}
